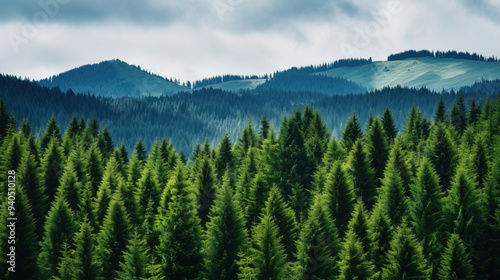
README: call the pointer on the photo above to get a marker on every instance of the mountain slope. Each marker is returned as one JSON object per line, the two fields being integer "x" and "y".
{"x": 433, "y": 73}
{"x": 113, "y": 78}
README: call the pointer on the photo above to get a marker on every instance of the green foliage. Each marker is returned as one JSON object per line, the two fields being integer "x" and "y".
{"x": 352, "y": 132}
{"x": 455, "y": 263}
{"x": 354, "y": 261}
{"x": 440, "y": 115}
{"x": 389, "y": 125}
{"x": 266, "y": 257}
{"x": 204, "y": 183}
{"x": 318, "y": 245}
{"x": 381, "y": 233}
{"x": 340, "y": 197}
{"x": 391, "y": 196}
{"x": 224, "y": 238}
{"x": 458, "y": 114}
{"x": 442, "y": 153}
{"x": 85, "y": 264}
{"x": 180, "y": 230}
{"x": 52, "y": 167}
{"x": 135, "y": 259}
{"x": 378, "y": 149}
{"x": 405, "y": 259}
{"x": 362, "y": 173}
{"x": 224, "y": 157}
{"x": 51, "y": 131}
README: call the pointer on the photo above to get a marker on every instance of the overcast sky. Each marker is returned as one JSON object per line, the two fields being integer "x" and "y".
{"x": 192, "y": 39}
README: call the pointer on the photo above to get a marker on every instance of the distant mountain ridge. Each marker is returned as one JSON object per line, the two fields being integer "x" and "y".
{"x": 435, "y": 71}
{"x": 113, "y": 78}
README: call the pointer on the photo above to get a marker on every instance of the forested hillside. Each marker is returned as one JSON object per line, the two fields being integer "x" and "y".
{"x": 190, "y": 117}
{"x": 293, "y": 202}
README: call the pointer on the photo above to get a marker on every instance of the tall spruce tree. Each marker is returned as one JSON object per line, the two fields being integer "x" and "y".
{"x": 70, "y": 187}
{"x": 354, "y": 261}
{"x": 458, "y": 114}
{"x": 93, "y": 167}
{"x": 52, "y": 167}
{"x": 59, "y": 217}
{"x": 405, "y": 259}
{"x": 205, "y": 187}
{"x": 340, "y": 197}
{"x": 113, "y": 238}
{"x": 85, "y": 264}
{"x": 440, "y": 115}
{"x": 378, "y": 149}
{"x": 352, "y": 132}
{"x": 265, "y": 258}
{"x": 318, "y": 245}
{"x": 225, "y": 236}
{"x": 180, "y": 230}
{"x": 455, "y": 263}
{"x": 442, "y": 154}
{"x": 135, "y": 259}
{"x": 381, "y": 233}
{"x": 51, "y": 131}
{"x": 362, "y": 173}
{"x": 389, "y": 125}
{"x": 392, "y": 197}
{"x": 224, "y": 158}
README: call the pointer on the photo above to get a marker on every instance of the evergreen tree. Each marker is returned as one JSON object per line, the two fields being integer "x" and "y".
{"x": 269, "y": 162}
{"x": 333, "y": 152}
{"x": 264, "y": 128}
{"x": 147, "y": 189}
{"x": 4, "y": 120}
{"x": 64, "y": 268}
{"x": 266, "y": 255}
{"x": 362, "y": 173}
{"x": 105, "y": 143}
{"x": 205, "y": 180}
{"x": 340, "y": 197}
{"x": 398, "y": 160}
{"x": 51, "y": 131}
{"x": 318, "y": 245}
{"x": 440, "y": 115}
{"x": 52, "y": 167}
{"x": 110, "y": 182}
{"x": 224, "y": 157}
{"x": 28, "y": 175}
{"x": 135, "y": 259}
{"x": 354, "y": 261}
{"x": 124, "y": 153}
{"x": 442, "y": 154}
{"x": 25, "y": 241}
{"x": 381, "y": 233}
{"x": 73, "y": 129}
{"x": 413, "y": 129}
{"x": 455, "y": 263}
{"x": 59, "y": 217}
{"x": 93, "y": 167}
{"x": 378, "y": 149}
{"x": 70, "y": 188}
{"x": 391, "y": 196}
{"x": 85, "y": 263}
{"x": 480, "y": 162}
{"x": 140, "y": 151}
{"x": 389, "y": 125}
{"x": 458, "y": 114}
{"x": 359, "y": 225}
{"x": 474, "y": 112}
{"x": 316, "y": 139}
{"x": 464, "y": 209}
{"x": 258, "y": 194}
{"x": 113, "y": 237}
{"x": 284, "y": 218}
{"x": 352, "y": 132}
{"x": 405, "y": 259}
{"x": 224, "y": 238}
{"x": 180, "y": 231}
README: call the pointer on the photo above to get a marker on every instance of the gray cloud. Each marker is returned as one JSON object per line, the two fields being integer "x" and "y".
{"x": 483, "y": 8}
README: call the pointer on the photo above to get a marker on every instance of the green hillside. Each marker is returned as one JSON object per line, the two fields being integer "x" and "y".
{"x": 433, "y": 73}
{"x": 113, "y": 78}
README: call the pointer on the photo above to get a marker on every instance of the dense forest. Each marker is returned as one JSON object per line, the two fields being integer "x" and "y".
{"x": 422, "y": 202}
{"x": 190, "y": 117}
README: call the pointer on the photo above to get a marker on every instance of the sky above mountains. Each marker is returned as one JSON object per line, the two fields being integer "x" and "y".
{"x": 193, "y": 39}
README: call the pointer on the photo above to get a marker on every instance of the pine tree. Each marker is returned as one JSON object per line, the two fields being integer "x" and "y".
{"x": 458, "y": 114}
{"x": 105, "y": 143}
{"x": 413, "y": 129}
{"x": 147, "y": 189}
{"x": 29, "y": 176}
{"x": 426, "y": 211}
{"x": 352, "y": 132}
{"x": 93, "y": 167}
{"x": 381, "y": 233}
{"x": 52, "y": 167}
{"x": 124, "y": 153}
{"x": 440, "y": 115}
{"x": 113, "y": 237}
{"x": 284, "y": 218}
{"x": 140, "y": 151}
{"x": 455, "y": 263}
{"x": 378, "y": 149}
{"x": 391, "y": 196}
{"x": 70, "y": 188}
{"x": 85, "y": 264}
{"x": 25, "y": 241}
{"x": 340, "y": 197}
{"x": 362, "y": 173}
{"x": 110, "y": 182}
{"x": 224, "y": 157}
{"x": 258, "y": 194}
{"x": 398, "y": 160}
{"x": 474, "y": 112}
{"x": 405, "y": 259}
{"x": 359, "y": 225}
{"x": 389, "y": 125}
{"x": 224, "y": 238}
{"x": 266, "y": 258}
{"x": 180, "y": 231}
{"x": 135, "y": 259}
{"x": 464, "y": 209}
{"x": 64, "y": 269}
{"x": 59, "y": 217}
{"x": 205, "y": 180}
{"x": 442, "y": 154}
{"x": 4, "y": 120}
{"x": 264, "y": 128}
{"x": 318, "y": 245}
{"x": 333, "y": 152}
{"x": 248, "y": 139}
{"x": 480, "y": 162}
{"x": 51, "y": 131}
{"x": 269, "y": 161}
{"x": 354, "y": 261}
{"x": 73, "y": 129}
{"x": 316, "y": 139}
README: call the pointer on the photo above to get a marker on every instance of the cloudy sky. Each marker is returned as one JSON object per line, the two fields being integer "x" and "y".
{"x": 192, "y": 39}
